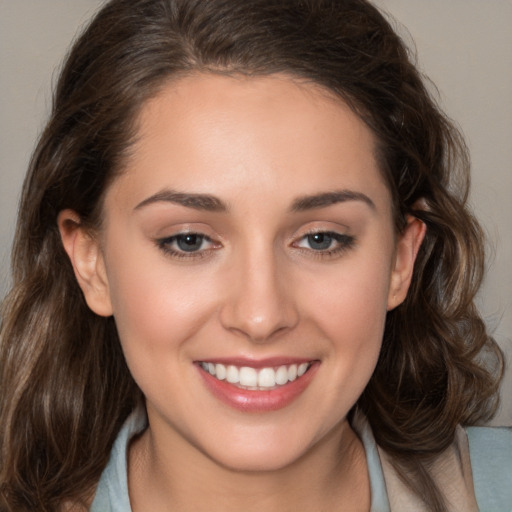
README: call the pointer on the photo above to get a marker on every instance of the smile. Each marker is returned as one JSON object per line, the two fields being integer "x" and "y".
{"x": 260, "y": 379}
{"x": 258, "y": 386}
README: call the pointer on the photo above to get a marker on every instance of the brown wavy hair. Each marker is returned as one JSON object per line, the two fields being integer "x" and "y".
{"x": 65, "y": 389}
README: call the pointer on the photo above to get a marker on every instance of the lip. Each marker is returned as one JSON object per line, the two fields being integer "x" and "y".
{"x": 255, "y": 401}
{"x": 258, "y": 363}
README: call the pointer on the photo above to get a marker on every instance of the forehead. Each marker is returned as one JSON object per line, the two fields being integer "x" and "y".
{"x": 212, "y": 133}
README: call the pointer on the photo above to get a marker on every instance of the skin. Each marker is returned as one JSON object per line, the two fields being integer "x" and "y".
{"x": 256, "y": 288}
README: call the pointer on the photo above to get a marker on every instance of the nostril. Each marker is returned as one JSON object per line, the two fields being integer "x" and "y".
{"x": 259, "y": 303}
{"x": 259, "y": 327}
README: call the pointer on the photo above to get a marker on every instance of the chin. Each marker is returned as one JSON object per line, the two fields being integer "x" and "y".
{"x": 263, "y": 451}
{"x": 262, "y": 460}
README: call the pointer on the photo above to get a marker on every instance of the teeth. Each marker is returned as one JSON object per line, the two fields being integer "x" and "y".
{"x": 264, "y": 378}
{"x": 248, "y": 376}
{"x": 220, "y": 371}
{"x": 301, "y": 370}
{"x": 267, "y": 378}
{"x": 232, "y": 375}
{"x": 282, "y": 375}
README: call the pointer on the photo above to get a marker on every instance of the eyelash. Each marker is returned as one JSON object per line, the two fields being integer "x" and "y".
{"x": 343, "y": 243}
{"x": 165, "y": 244}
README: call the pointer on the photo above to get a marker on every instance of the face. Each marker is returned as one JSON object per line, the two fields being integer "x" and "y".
{"x": 249, "y": 259}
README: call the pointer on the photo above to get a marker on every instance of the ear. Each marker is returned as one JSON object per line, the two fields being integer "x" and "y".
{"x": 86, "y": 257}
{"x": 407, "y": 247}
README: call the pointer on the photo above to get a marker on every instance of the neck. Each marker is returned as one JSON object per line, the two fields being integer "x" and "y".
{"x": 332, "y": 475}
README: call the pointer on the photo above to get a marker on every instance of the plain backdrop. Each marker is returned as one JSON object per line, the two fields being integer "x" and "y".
{"x": 464, "y": 46}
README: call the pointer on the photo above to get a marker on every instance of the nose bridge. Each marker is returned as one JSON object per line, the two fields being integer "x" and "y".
{"x": 260, "y": 304}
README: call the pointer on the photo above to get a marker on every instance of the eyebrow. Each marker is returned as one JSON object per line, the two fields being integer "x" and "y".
{"x": 203, "y": 202}
{"x": 206, "y": 202}
{"x": 328, "y": 198}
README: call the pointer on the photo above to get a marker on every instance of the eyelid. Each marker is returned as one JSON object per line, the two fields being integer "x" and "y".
{"x": 344, "y": 243}
{"x": 165, "y": 245}
{"x": 329, "y": 232}
{"x": 163, "y": 229}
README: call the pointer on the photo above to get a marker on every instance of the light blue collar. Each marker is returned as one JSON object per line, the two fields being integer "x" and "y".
{"x": 112, "y": 491}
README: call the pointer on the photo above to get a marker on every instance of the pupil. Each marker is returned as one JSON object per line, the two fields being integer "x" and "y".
{"x": 319, "y": 241}
{"x": 189, "y": 243}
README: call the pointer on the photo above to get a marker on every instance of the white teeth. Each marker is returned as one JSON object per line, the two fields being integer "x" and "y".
{"x": 267, "y": 378}
{"x": 301, "y": 370}
{"x": 282, "y": 375}
{"x": 220, "y": 371}
{"x": 251, "y": 378}
{"x": 248, "y": 376}
{"x": 232, "y": 375}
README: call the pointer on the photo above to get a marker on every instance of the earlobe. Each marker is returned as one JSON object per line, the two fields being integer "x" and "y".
{"x": 408, "y": 244}
{"x": 87, "y": 260}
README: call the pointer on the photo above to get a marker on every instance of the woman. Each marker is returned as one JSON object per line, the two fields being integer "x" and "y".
{"x": 244, "y": 237}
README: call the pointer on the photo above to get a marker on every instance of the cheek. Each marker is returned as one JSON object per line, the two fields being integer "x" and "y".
{"x": 350, "y": 307}
{"x": 353, "y": 299}
{"x": 158, "y": 314}
{"x": 156, "y": 304}
{"x": 354, "y": 322}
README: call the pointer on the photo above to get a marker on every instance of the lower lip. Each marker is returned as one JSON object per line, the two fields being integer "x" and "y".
{"x": 258, "y": 400}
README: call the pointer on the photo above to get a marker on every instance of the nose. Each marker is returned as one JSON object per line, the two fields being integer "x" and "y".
{"x": 261, "y": 302}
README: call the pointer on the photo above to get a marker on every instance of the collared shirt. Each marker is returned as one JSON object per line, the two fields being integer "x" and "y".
{"x": 490, "y": 469}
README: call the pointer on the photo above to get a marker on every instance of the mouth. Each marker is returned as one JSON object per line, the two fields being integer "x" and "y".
{"x": 257, "y": 386}
{"x": 256, "y": 379}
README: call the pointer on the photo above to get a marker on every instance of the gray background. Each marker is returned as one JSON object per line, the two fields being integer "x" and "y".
{"x": 464, "y": 46}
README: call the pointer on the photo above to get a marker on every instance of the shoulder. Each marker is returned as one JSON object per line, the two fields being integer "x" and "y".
{"x": 112, "y": 490}
{"x": 76, "y": 506}
{"x": 490, "y": 451}
{"x": 474, "y": 473}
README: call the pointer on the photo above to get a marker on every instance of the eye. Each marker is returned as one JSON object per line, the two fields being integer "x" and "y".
{"x": 185, "y": 245}
{"x": 320, "y": 241}
{"x": 191, "y": 242}
{"x": 325, "y": 242}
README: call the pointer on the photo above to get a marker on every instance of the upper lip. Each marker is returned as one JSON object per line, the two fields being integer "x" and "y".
{"x": 257, "y": 363}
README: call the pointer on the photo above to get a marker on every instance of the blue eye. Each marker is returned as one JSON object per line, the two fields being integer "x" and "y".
{"x": 320, "y": 241}
{"x": 190, "y": 242}
{"x": 326, "y": 243}
{"x": 185, "y": 245}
